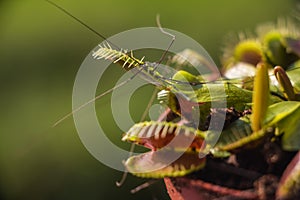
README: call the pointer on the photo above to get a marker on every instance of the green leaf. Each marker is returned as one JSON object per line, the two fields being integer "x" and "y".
{"x": 237, "y": 130}
{"x": 239, "y": 135}
{"x": 285, "y": 116}
{"x": 293, "y": 73}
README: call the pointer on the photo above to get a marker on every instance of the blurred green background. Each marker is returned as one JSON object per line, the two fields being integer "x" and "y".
{"x": 41, "y": 50}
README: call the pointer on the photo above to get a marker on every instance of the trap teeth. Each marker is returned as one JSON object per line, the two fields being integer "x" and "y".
{"x": 150, "y": 131}
{"x": 143, "y": 131}
{"x": 171, "y": 129}
{"x": 182, "y": 167}
{"x": 157, "y": 131}
{"x": 164, "y": 132}
{"x": 193, "y": 166}
{"x": 130, "y": 131}
{"x": 137, "y": 130}
{"x": 177, "y": 131}
{"x": 176, "y": 167}
{"x": 133, "y": 131}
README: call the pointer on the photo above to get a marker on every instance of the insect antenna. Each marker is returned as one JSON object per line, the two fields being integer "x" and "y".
{"x": 167, "y": 33}
{"x": 81, "y": 22}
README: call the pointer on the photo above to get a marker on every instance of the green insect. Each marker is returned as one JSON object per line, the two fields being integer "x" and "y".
{"x": 259, "y": 108}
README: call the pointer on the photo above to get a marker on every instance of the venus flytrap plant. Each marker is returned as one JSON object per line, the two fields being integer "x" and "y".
{"x": 271, "y": 116}
{"x": 257, "y": 112}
